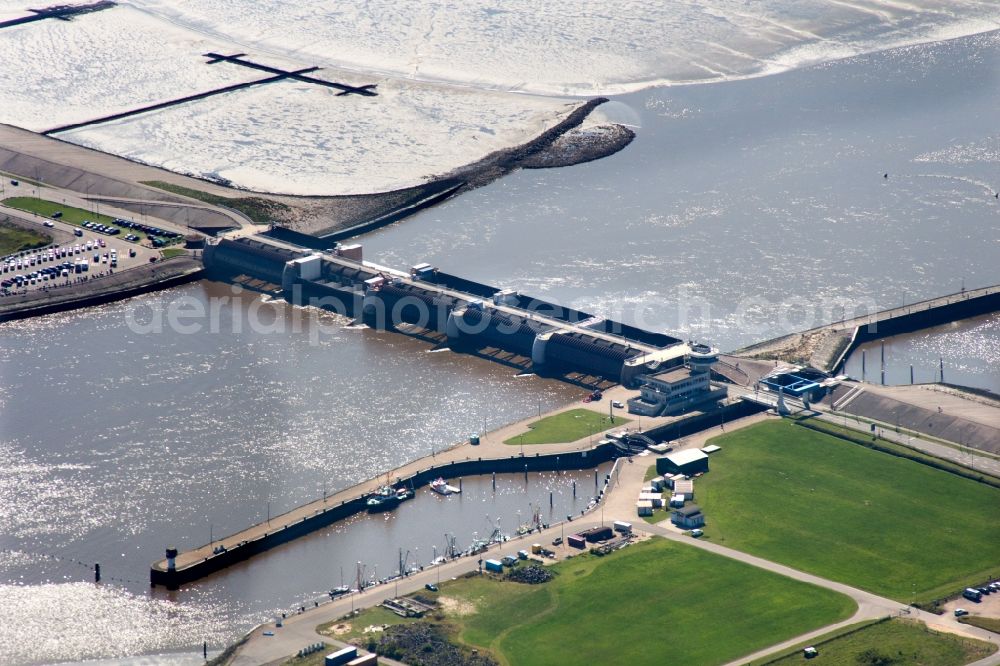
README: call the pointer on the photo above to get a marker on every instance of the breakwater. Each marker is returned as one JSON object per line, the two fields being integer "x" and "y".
{"x": 929, "y": 314}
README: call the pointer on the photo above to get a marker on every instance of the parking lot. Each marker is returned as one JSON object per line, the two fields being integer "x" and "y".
{"x": 90, "y": 255}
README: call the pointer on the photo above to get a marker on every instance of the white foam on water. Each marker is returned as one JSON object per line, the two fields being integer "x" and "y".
{"x": 579, "y": 48}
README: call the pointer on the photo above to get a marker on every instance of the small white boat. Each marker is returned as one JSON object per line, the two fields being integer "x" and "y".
{"x": 441, "y": 487}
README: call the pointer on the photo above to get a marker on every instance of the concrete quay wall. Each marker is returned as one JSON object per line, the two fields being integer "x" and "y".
{"x": 319, "y": 514}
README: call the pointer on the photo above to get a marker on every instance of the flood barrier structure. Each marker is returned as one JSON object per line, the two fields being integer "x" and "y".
{"x": 553, "y": 339}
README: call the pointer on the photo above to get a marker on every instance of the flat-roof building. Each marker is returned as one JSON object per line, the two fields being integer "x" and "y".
{"x": 677, "y": 390}
{"x": 688, "y": 462}
{"x": 688, "y": 517}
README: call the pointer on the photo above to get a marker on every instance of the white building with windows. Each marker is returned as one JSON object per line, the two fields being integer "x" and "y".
{"x": 679, "y": 389}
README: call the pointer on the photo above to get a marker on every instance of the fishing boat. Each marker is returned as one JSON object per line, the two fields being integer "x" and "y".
{"x": 441, "y": 487}
{"x": 383, "y": 499}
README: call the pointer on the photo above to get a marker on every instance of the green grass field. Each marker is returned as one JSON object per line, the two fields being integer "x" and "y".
{"x": 70, "y": 215}
{"x": 14, "y": 239}
{"x": 566, "y": 426}
{"x": 172, "y": 252}
{"x": 892, "y": 643}
{"x": 258, "y": 209}
{"x": 844, "y": 512}
{"x": 636, "y": 606}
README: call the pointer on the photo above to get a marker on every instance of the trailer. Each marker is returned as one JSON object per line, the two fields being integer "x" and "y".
{"x": 622, "y": 527}
{"x": 576, "y": 541}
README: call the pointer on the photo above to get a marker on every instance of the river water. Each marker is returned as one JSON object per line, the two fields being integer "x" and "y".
{"x": 121, "y": 436}
{"x": 749, "y": 209}
{"x": 743, "y": 210}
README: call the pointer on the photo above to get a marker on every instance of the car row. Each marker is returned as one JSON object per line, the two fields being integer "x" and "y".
{"x": 101, "y": 228}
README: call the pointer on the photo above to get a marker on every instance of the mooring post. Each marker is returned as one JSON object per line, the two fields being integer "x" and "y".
{"x": 595, "y": 479}
{"x": 550, "y": 499}
{"x": 883, "y": 363}
{"x": 525, "y": 473}
{"x": 97, "y": 573}
{"x": 204, "y": 649}
{"x": 494, "y": 481}
{"x": 862, "y": 365}
{"x": 574, "y": 489}
{"x": 459, "y": 484}
{"x": 911, "y": 373}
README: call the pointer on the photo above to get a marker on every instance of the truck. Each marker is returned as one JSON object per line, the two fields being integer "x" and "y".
{"x": 622, "y": 527}
{"x": 972, "y": 594}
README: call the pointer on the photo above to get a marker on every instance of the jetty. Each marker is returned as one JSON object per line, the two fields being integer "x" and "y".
{"x": 827, "y": 347}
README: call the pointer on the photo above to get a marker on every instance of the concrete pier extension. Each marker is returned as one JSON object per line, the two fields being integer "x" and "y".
{"x": 827, "y": 347}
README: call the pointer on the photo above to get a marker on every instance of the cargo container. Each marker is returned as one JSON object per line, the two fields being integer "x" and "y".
{"x": 595, "y": 534}
{"x": 536, "y": 548}
{"x": 341, "y": 657}
{"x": 658, "y": 483}
{"x": 576, "y": 541}
{"x": 622, "y": 526}
{"x": 494, "y": 565}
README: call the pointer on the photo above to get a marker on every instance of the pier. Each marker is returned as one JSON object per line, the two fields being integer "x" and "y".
{"x": 276, "y": 75}
{"x": 60, "y": 12}
{"x": 827, "y": 347}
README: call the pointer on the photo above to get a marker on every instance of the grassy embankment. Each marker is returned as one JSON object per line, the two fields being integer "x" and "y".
{"x": 818, "y": 503}
{"x": 258, "y": 209}
{"x": 987, "y": 623}
{"x": 886, "y": 643}
{"x": 74, "y": 216}
{"x": 632, "y": 606}
{"x": 566, "y": 426}
{"x": 15, "y": 239}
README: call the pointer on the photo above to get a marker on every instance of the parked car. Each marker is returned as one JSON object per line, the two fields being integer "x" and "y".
{"x": 431, "y": 586}
{"x": 959, "y": 612}
{"x": 617, "y": 404}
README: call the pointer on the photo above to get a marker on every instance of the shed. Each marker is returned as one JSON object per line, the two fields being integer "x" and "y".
{"x": 644, "y": 507}
{"x": 658, "y": 483}
{"x": 688, "y": 461}
{"x": 684, "y": 487}
{"x": 688, "y": 517}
